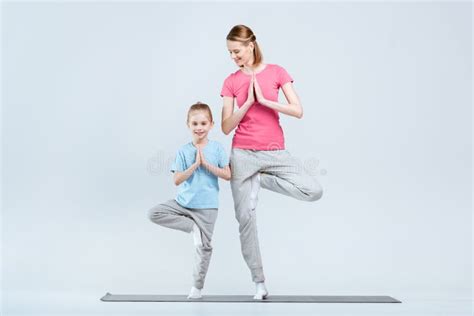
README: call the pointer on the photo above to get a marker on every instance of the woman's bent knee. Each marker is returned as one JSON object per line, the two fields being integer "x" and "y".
{"x": 151, "y": 214}
{"x": 315, "y": 193}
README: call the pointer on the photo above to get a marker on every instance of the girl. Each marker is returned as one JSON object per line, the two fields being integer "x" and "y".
{"x": 196, "y": 168}
{"x": 258, "y": 156}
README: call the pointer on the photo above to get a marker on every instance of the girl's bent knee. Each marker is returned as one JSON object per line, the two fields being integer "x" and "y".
{"x": 153, "y": 214}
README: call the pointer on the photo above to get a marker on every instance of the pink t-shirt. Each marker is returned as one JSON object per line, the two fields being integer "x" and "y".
{"x": 260, "y": 128}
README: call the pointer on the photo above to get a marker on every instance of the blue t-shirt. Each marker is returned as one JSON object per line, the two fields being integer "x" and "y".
{"x": 201, "y": 189}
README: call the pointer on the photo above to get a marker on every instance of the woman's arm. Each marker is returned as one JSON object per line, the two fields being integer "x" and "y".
{"x": 293, "y": 108}
{"x": 231, "y": 119}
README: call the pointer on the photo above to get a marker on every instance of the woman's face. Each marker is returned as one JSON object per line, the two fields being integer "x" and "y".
{"x": 241, "y": 54}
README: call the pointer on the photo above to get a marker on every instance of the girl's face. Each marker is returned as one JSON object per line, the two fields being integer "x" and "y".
{"x": 242, "y": 55}
{"x": 199, "y": 124}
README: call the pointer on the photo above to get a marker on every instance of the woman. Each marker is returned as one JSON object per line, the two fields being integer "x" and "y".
{"x": 258, "y": 156}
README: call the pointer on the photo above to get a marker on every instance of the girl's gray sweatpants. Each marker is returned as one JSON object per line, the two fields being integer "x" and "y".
{"x": 172, "y": 215}
{"x": 279, "y": 172}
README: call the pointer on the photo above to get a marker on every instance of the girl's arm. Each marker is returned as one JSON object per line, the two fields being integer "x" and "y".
{"x": 293, "y": 108}
{"x": 223, "y": 173}
{"x": 231, "y": 119}
{"x": 181, "y": 176}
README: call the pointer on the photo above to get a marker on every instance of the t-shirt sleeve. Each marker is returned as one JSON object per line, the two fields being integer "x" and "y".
{"x": 179, "y": 162}
{"x": 223, "y": 158}
{"x": 227, "y": 90}
{"x": 283, "y": 76}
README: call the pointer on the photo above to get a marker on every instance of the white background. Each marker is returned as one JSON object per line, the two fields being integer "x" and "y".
{"x": 94, "y": 106}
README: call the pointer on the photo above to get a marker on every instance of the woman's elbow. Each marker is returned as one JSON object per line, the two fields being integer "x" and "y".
{"x": 224, "y": 129}
{"x": 299, "y": 113}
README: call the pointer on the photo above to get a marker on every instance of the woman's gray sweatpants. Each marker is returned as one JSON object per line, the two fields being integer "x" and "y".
{"x": 279, "y": 172}
{"x": 172, "y": 215}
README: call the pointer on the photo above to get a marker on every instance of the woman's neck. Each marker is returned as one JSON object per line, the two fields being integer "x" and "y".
{"x": 252, "y": 68}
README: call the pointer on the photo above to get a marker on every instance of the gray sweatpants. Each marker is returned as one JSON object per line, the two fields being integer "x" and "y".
{"x": 279, "y": 172}
{"x": 172, "y": 215}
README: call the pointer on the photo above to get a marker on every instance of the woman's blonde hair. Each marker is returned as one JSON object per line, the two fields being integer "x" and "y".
{"x": 242, "y": 33}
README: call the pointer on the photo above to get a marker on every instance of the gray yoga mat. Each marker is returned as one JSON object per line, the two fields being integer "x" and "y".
{"x": 249, "y": 299}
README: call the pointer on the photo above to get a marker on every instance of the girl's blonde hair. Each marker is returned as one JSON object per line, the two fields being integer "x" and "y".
{"x": 199, "y": 106}
{"x": 242, "y": 33}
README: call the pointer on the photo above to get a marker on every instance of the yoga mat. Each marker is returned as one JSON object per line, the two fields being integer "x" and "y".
{"x": 249, "y": 299}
